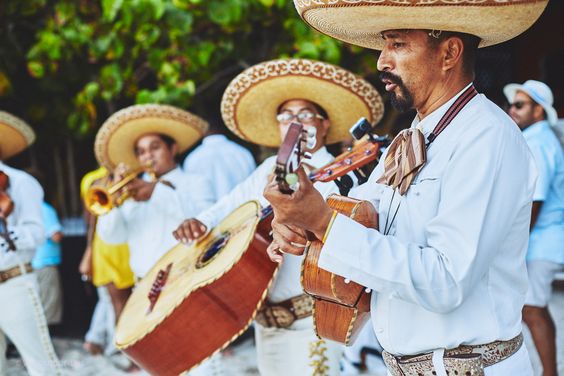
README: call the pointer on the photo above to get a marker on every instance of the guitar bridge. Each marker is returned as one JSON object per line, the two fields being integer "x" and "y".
{"x": 157, "y": 287}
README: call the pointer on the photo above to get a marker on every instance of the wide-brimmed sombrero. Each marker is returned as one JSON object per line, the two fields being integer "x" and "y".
{"x": 360, "y": 22}
{"x": 115, "y": 141}
{"x": 15, "y": 135}
{"x": 251, "y": 100}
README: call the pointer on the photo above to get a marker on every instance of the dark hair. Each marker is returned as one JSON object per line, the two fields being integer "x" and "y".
{"x": 318, "y": 108}
{"x": 169, "y": 141}
{"x": 469, "y": 41}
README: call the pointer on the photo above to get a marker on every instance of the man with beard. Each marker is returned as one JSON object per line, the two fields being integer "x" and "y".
{"x": 453, "y": 193}
{"x": 530, "y": 105}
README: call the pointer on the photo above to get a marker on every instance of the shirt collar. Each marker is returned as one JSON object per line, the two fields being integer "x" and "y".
{"x": 427, "y": 125}
{"x": 535, "y": 129}
{"x": 320, "y": 158}
{"x": 213, "y": 139}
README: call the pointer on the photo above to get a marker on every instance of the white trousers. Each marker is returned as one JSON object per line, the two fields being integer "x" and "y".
{"x": 23, "y": 321}
{"x": 103, "y": 322}
{"x": 51, "y": 293}
{"x": 517, "y": 364}
{"x": 211, "y": 367}
{"x": 296, "y": 351}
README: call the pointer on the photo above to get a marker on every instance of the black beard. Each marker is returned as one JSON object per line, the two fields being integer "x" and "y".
{"x": 402, "y": 102}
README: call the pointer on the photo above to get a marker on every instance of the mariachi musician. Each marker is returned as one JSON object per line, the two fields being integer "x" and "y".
{"x": 149, "y": 137}
{"x": 22, "y": 319}
{"x": 453, "y": 193}
{"x": 258, "y": 106}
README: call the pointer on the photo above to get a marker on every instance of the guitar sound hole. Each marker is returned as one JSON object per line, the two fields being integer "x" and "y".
{"x": 213, "y": 250}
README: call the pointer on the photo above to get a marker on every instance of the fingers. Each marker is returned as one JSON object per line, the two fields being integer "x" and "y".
{"x": 288, "y": 246}
{"x": 294, "y": 235}
{"x": 274, "y": 253}
{"x": 189, "y": 230}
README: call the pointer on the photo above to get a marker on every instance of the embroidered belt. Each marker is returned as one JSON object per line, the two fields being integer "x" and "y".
{"x": 14, "y": 272}
{"x": 284, "y": 313}
{"x": 467, "y": 360}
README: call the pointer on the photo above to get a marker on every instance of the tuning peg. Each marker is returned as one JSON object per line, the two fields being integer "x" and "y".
{"x": 307, "y": 155}
{"x": 360, "y": 128}
{"x": 292, "y": 180}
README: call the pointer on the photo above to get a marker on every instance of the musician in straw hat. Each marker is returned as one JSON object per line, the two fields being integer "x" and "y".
{"x": 22, "y": 319}
{"x": 258, "y": 106}
{"x": 453, "y": 192}
{"x": 150, "y": 135}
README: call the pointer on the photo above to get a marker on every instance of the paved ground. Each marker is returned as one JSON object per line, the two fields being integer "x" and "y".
{"x": 241, "y": 361}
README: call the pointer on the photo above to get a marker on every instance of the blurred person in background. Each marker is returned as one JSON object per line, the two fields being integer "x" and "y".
{"x": 530, "y": 106}
{"x": 22, "y": 318}
{"x": 224, "y": 162}
{"x": 107, "y": 266}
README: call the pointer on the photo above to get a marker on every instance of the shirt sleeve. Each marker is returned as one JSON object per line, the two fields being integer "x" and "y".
{"x": 27, "y": 231}
{"x": 112, "y": 227}
{"x": 51, "y": 221}
{"x": 250, "y": 189}
{"x": 475, "y": 212}
{"x": 545, "y": 169}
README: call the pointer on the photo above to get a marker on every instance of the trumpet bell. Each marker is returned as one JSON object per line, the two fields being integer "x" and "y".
{"x": 98, "y": 201}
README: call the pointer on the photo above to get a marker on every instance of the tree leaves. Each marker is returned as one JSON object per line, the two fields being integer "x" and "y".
{"x": 91, "y": 58}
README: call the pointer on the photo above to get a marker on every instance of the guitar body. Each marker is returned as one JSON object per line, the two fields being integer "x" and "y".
{"x": 199, "y": 298}
{"x": 341, "y": 306}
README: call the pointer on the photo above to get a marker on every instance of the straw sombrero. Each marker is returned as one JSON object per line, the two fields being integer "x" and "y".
{"x": 115, "y": 141}
{"x": 250, "y": 101}
{"x": 15, "y": 135}
{"x": 360, "y": 22}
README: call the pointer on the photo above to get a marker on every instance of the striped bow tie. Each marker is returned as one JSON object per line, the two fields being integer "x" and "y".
{"x": 406, "y": 156}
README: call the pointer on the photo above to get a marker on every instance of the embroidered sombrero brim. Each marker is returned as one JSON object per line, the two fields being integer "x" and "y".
{"x": 15, "y": 135}
{"x": 360, "y": 22}
{"x": 251, "y": 100}
{"x": 115, "y": 141}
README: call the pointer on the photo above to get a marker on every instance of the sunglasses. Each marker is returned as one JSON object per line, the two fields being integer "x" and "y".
{"x": 519, "y": 104}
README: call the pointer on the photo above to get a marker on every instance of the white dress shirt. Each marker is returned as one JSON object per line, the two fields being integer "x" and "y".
{"x": 147, "y": 226}
{"x": 287, "y": 283}
{"x": 451, "y": 268}
{"x": 224, "y": 162}
{"x": 26, "y": 219}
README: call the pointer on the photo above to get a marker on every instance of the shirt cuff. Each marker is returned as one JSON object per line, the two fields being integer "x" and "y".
{"x": 337, "y": 256}
{"x": 329, "y": 226}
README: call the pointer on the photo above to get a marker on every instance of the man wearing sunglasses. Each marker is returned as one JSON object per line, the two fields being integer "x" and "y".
{"x": 259, "y": 105}
{"x": 530, "y": 106}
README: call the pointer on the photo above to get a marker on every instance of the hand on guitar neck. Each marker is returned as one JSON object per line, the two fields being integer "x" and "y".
{"x": 304, "y": 209}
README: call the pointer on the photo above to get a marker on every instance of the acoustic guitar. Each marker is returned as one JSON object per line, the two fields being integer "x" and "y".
{"x": 341, "y": 307}
{"x": 199, "y": 298}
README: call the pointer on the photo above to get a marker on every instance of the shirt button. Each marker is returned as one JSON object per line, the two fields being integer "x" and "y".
{"x": 379, "y": 330}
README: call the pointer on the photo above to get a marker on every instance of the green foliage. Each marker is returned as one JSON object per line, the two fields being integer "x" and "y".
{"x": 76, "y": 61}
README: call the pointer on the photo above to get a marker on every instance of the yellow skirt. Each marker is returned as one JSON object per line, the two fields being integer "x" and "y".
{"x": 110, "y": 264}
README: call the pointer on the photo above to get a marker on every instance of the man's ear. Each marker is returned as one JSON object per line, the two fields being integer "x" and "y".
{"x": 326, "y": 123}
{"x": 174, "y": 149}
{"x": 453, "y": 49}
{"x": 538, "y": 112}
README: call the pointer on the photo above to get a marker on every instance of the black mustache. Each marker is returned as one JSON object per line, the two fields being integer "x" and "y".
{"x": 391, "y": 77}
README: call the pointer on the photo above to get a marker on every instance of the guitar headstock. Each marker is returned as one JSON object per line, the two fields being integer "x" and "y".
{"x": 291, "y": 154}
{"x": 363, "y": 153}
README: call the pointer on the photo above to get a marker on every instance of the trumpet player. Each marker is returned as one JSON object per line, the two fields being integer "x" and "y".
{"x": 149, "y": 135}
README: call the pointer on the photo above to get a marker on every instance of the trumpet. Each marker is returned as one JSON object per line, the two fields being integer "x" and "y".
{"x": 100, "y": 199}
